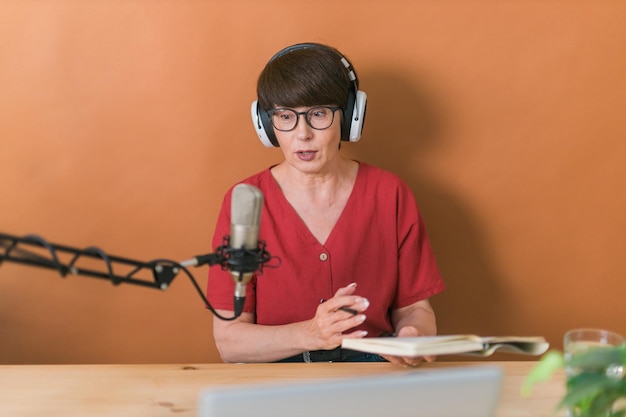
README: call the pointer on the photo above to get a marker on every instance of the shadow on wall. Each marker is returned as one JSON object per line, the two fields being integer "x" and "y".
{"x": 473, "y": 301}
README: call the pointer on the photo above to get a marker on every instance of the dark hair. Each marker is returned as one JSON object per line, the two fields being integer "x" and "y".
{"x": 308, "y": 76}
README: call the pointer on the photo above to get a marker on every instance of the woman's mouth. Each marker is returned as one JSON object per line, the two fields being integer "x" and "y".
{"x": 306, "y": 155}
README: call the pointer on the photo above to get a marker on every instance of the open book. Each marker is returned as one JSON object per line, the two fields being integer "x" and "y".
{"x": 447, "y": 345}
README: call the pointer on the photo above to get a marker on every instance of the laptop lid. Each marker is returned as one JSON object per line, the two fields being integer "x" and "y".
{"x": 451, "y": 392}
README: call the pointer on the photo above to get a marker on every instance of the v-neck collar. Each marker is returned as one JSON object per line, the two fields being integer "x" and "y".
{"x": 294, "y": 218}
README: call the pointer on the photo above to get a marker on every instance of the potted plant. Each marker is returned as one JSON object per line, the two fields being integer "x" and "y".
{"x": 595, "y": 380}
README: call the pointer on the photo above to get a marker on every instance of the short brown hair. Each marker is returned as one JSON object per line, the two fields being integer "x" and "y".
{"x": 305, "y": 76}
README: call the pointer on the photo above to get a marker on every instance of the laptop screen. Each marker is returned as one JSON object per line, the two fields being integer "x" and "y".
{"x": 450, "y": 392}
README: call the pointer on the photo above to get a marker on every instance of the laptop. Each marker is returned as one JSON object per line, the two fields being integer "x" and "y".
{"x": 450, "y": 392}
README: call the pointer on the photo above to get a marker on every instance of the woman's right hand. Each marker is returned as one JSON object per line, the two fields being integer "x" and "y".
{"x": 327, "y": 328}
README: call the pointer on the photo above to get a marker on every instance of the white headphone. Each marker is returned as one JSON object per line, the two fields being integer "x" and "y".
{"x": 353, "y": 111}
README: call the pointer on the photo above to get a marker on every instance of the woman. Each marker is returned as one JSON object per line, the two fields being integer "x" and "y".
{"x": 349, "y": 235}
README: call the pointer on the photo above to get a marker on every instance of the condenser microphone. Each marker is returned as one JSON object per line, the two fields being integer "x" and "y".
{"x": 246, "y": 205}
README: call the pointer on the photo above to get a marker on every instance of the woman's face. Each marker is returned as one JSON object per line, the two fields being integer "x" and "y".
{"x": 310, "y": 150}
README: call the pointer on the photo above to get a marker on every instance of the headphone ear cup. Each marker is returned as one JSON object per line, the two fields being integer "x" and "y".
{"x": 263, "y": 126}
{"x": 357, "y": 117}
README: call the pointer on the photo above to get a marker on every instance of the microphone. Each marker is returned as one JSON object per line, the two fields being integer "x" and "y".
{"x": 241, "y": 253}
{"x": 246, "y": 205}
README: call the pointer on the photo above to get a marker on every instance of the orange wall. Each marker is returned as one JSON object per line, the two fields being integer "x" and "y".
{"x": 123, "y": 123}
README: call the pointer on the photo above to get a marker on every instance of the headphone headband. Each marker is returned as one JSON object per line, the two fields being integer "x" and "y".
{"x": 353, "y": 109}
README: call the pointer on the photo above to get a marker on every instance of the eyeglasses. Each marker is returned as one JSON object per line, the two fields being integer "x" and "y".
{"x": 319, "y": 118}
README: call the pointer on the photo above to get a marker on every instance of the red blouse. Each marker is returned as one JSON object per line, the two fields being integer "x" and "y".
{"x": 379, "y": 242}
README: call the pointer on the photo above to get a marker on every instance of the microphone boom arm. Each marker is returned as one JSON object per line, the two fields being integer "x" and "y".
{"x": 163, "y": 270}
{"x": 64, "y": 259}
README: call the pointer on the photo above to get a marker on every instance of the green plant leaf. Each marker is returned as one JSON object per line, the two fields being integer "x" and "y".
{"x": 543, "y": 370}
{"x": 602, "y": 403}
{"x": 598, "y": 358}
{"x": 586, "y": 385}
{"x": 597, "y": 384}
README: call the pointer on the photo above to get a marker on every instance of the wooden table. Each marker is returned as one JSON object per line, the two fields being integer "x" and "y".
{"x": 172, "y": 390}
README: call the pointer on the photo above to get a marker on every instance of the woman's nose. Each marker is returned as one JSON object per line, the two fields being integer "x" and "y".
{"x": 302, "y": 129}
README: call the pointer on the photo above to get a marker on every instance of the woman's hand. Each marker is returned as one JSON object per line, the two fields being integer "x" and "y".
{"x": 408, "y": 331}
{"x": 335, "y": 316}
{"x": 417, "y": 319}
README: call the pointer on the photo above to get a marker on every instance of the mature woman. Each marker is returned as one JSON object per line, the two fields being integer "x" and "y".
{"x": 348, "y": 234}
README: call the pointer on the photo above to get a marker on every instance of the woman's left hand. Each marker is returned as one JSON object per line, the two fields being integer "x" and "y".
{"x": 409, "y": 331}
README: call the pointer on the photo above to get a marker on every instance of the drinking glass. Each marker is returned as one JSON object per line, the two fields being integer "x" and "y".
{"x": 577, "y": 345}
